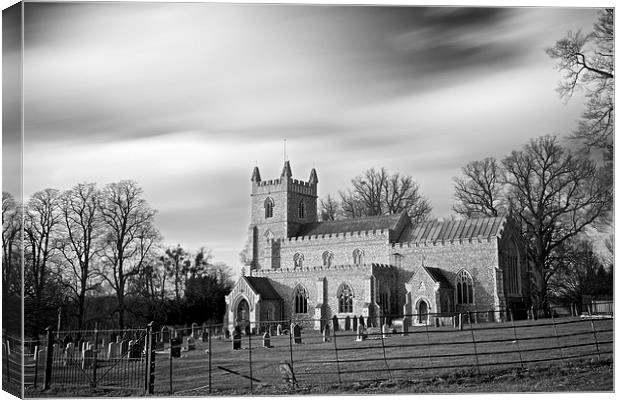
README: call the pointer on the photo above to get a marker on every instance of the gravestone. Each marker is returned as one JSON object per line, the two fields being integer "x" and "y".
{"x": 361, "y": 320}
{"x": 279, "y": 330}
{"x": 55, "y": 348}
{"x": 134, "y": 350}
{"x": 175, "y": 347}
{"x": 124, "y": 347}
{"x": 247, "y": 330}
{"x": 326, "y": 333}
{"x": 335, "y": 323}
{"x": 226, "y": 334}
{"x": 385, "y": 330}
{"x": 297, "y": 334}
{"x": 119, "y": 339}
{"x": 112, "y": 351}
{"x": 41, "y": 357}
{"x": 266, "y": 340}
{"x": 205, "y": 336}
{"x": 360, "y": 333}
{"x": 236, "y": 339}
{"x": 87, "y": 359}
{"x": 190, "y": 344}
{"x": 69, "y": 352}
{"x": 195, "y": 330}
{"x": 347, "y": 323}
{"x": 436, "y": 322}
{"x": 354, "y": 320}
{"x": 165, "y": 334}
{"x": 405, "y": 326}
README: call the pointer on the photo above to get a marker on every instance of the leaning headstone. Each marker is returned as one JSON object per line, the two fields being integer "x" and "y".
{"x": 335, "y": 323}
{"x": 385, "y": 330}
{"x": 266, "y": 340}
{"x": 326, "y": 333}
{"x": 175, "y": 347}
{"x": 360, "y": 333}
{"x": 236, "y": 340}
{"x": 190, "y": 344}
{"x": 87, "y": 359}
{"x": 297, "y": 334}
{"x": 279, "y": 330}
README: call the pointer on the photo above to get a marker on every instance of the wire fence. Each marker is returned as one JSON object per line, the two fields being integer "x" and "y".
{"x": 282, "y": 354}
{"x": 204, "y": 359}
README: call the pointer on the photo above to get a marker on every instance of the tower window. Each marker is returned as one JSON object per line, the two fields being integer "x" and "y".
{"x": 301, "y": 300}
{"x": 268, "y": 207}
{"x": 328, "y": 258}
{"x": 298, "y": 261}
{"x": 357, "y": 256}
{"x": 345, "y": 299}
{"x": 464, "y": 288}
{"x": 302, "y": 210}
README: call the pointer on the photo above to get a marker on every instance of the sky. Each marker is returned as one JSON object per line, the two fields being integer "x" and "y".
{"x": 186, "y": 98}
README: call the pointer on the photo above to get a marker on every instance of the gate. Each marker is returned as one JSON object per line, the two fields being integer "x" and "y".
{"x": 110, "y": 359}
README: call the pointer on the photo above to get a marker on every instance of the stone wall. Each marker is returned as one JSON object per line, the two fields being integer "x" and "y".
{"x": 479, "y": 258}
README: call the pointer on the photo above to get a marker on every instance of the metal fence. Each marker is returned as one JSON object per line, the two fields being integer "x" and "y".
{"x": 212, "y": 360}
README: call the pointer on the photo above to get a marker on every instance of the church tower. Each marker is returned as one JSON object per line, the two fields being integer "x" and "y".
{"x": 279, "y": 208}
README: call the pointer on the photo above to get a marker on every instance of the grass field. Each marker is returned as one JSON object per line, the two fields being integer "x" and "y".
{"x": 421, "y": 356}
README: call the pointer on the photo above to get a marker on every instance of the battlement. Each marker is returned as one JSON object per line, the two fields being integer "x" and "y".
{"x": 378, "y": 233}
{"x": 288, "y": 184}
{"x": 340, "y": 267}
{"x": 441, "y": 242}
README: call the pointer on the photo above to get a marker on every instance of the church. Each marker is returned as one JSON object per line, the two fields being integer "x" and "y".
{"x": 309, "y": 271}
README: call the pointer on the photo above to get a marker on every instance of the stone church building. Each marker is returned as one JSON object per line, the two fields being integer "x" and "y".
{"x": 308, "y": 271}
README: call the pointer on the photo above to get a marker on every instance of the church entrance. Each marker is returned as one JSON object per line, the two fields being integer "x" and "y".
{"x": 422, "y": 312}
{"x": 242, "y": 317}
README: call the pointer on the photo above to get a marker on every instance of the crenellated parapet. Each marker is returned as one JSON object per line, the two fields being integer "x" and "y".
{"x": 338, "y": 236}
{"x": 321, "y": 268}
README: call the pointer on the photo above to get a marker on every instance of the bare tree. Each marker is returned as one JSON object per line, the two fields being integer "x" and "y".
{"x": 177, "y": 268}
{"x": 587, "y": 61}
{"x": 42, "y": 221}
{"x": 557, "y": 195}
{"x": 11, "y": 242}
{"x": 329, "y": 209}
{"x": 479, "y": 191}
{"x": 130, "y": 236}
{"x": 81, "y": 219}
{"x": 377, "y": 192}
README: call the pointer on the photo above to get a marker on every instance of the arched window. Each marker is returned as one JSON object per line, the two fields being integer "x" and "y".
{"x": 302, "y": 210}
{"x": 464, "y": 288}
{"x": 328, "y": 257}
{"x": 298, "y": 261}
{"x": 357, "y": 256}
{"x": 268, "y": 207}
{"x": 301, "y": 300}
{"x": 345, "y": 299}
{"x": 384, "y": 299}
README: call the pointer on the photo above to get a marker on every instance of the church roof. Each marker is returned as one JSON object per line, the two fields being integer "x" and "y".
{"x": 350, "y": 225}
{"x": 475, "y": 228}
{"x": 262, "y": 287}
{"x": 439, "y": 277}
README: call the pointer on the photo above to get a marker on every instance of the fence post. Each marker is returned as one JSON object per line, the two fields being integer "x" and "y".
{"x": 337, "y": 361}
{"x": 514, "y": 330}
{"x": 209, "y": 338}
{"x": 6, "y": 360}
{"x": 473, "y": 339}
{"x": 290, "y": 347}
{"x": 387, "y": 367}
{"x": 150, "y": 359}
{"x": 49, "y": 358}
{"x": 557, "y": 339}
{"x": 598, "y": 353}
{"x": 94, "y": 382}
{"x": 170, "y": 363}
{"x": 250, "y": 356}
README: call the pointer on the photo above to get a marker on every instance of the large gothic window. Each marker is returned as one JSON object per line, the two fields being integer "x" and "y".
{"x": 464, "y": 288}
{"x": 357, "y": 256}
{"x": 298, "y": 261}
{"x": 345, "y": 299}
{"x": 301, "y": 300}
{"x": 268, "y": 207}
{"x": 302, "y": 210}
{"x": 328, "y": 258}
